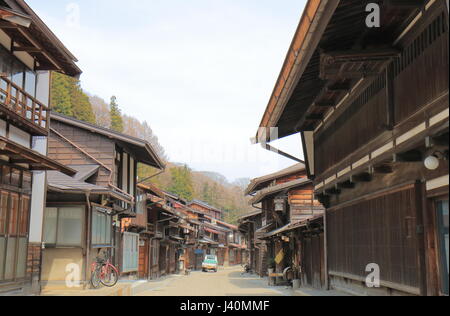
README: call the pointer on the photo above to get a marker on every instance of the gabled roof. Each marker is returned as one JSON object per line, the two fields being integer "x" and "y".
{"x": 84, "y": 172}
{"x": 143, "y": 150}
{"x": 249, "y": 215}
{"x": 152, "y": 189}
{"x": 277, "y": 189}
{"x": 59, "y": 182}
{"x": 34, "y": 36}
{"x": 258, "y": 183}
{"x": 205, "y": 205}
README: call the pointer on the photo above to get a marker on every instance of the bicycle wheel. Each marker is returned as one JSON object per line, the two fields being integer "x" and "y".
{"x": 109, "y": 276}
{"x": 95, "y": 279}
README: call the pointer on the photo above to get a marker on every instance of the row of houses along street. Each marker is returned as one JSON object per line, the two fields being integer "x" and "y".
{"x": 88, "y": 202}
{"x": 371, "y": 105}
{"x": 370, "y": 198}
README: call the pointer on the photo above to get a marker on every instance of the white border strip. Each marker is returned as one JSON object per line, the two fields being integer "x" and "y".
{"x": 438, "y": 183}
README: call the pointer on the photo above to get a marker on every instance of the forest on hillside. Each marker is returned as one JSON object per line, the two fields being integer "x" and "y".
{"x": 68, "y": 98}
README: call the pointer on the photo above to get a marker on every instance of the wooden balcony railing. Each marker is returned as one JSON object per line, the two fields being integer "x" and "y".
{"x": 35, "y": 115}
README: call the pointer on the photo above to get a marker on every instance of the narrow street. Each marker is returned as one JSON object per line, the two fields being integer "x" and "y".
{"x": 226, "y": 282}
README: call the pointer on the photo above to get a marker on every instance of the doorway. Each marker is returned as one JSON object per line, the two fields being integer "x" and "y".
{"x": 442, "y": 224}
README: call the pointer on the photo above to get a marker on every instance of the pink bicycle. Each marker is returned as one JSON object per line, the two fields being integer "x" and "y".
{"x": 103, "y": 272}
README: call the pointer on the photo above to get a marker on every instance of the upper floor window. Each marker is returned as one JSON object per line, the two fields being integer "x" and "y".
{"x": 141, "y": 201}
{"x": 15, "y": 71}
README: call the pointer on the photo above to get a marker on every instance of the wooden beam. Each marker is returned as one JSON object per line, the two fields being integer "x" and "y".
{"x": 26, "y": 49}
{"x": 390, "y": 97}
{"x": 333, "y": 191}
{"x": 405, "y": 3}
{"x": 30, "y": 38}
{"x": 315, "y": 117}
{"x": 324, "y": 104}
{"x": 347, "y": 185}
{"x": 361, "y": 177}
{"x": 343, "y": 87}
{"x": 383, "y": 169}
{"x": 361, "y": 55}
{"x": 324, "y": 199}
{"x": 8, "y": 25}
{"x": 409, "y": 156}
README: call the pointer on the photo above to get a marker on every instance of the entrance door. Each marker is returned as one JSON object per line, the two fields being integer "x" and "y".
{"x": 143, "y": 259}
{"x": 14, "y": 217}
{"x": 442, "y": 216}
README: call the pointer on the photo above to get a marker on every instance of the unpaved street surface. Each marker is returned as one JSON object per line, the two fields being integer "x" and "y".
{"x": 226, "y": 282}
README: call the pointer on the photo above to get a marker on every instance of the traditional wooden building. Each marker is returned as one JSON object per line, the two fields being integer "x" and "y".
{"x": 206, "y": 209}
{"x": 250, "y": 226}
{"x": 287, "y": 201}
{"x": 371, "y": 104}
{"x": 29, "y": 51}
{"x": 87, "y": 213}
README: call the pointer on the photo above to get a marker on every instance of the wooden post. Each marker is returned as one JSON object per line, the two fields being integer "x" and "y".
{"x": 421, "y": 253}
{"x": 431, "y": 246}
{"x": 325, "y": 242}
{"x": 390, "y": 97}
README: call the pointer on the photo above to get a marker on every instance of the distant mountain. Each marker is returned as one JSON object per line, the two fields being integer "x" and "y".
{"x": 242, "y": 183}
{"x": 210, "y": 187}
{"x": 215, "y": 176}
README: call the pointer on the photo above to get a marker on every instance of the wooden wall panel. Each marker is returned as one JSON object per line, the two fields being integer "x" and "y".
{"x": 381, "y": 230}
{"x": 361, "y": 122}
{"x": 422, "y": 71}
{"x": 420, "y": 77}
{"x": 100, "y": 147}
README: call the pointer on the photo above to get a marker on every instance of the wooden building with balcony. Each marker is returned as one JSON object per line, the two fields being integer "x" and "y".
{"x": 87, "y": 215}
{"x": 287, "y": 202}
{"x": 29, "y": 51}
{"x": 251, "y": 229}
{"x": 372, "y": 107}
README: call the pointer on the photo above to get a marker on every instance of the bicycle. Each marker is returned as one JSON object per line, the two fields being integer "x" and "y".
{"x": 103, "y": 272}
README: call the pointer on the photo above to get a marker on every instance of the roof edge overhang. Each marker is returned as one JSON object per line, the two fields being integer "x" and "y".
{"x": 110, "y": 193}
{"x": 316, "y": 16}
{"x": 21, "y": 18}
{"x": 273, "y": 176}
{"x": 28, "y": 156}
{"x": 158, "y": 163}
{"x": 277, "y": 189}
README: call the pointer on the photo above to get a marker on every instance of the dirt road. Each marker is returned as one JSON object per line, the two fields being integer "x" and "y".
{"x": 226, "y": 282}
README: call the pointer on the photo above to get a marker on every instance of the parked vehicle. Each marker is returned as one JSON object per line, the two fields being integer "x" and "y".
{"x": 210, "y": 263}
{"x": 103, "y": 272}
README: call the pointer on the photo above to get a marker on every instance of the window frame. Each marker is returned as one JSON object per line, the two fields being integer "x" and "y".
{"x": 94, "y": 243}
{"x": 56, "y": 244}
{"x": 16, "y": 270}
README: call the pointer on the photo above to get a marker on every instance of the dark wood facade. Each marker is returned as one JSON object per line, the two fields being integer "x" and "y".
{"x": 287, "y": 202}
{"x": 369, "y": 131}
{"x": 24, "y": 126}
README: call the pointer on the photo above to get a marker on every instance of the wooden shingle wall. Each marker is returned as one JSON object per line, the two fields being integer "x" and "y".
{"x": 100, "y": 147}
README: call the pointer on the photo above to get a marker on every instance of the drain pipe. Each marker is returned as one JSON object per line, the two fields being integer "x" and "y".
{"x": 88, "y": 239}
{"x": 270, "y": 148}
{"x": 151, "y": 177}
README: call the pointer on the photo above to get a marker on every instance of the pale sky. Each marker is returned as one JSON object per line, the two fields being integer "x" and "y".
{"x": 200, "y": 72}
